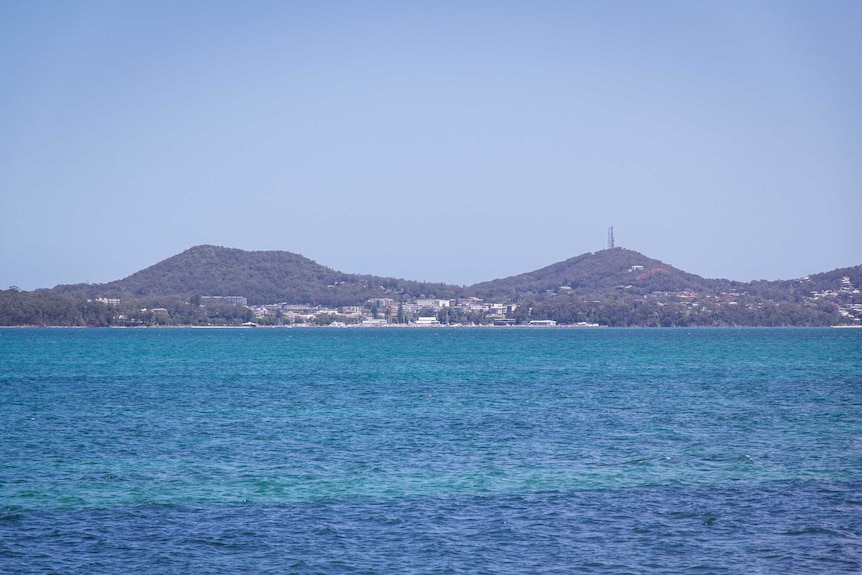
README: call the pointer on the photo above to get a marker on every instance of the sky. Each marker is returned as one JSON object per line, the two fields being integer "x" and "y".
{"x": 456, "y": 142}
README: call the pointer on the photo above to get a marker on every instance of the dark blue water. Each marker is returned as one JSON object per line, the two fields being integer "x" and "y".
{"x": 431, "y": 451}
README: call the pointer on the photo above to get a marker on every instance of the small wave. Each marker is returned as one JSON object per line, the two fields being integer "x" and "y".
{"x": 810, "y": 531}
{"x": 11, "y": 513}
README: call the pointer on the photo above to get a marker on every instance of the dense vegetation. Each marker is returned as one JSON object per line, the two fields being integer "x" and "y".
{"x": 50, "y": 308}
{"x": 630, "y": 311}
{"x": 598, "y": 272}
{"x": 611, "y": 287}
{"x": 261, "y": 277}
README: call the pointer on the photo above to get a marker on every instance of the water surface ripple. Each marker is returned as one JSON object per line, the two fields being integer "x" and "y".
{"x": 431, "y": 451}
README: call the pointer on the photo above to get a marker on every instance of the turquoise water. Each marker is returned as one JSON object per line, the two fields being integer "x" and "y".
{"x": 431, "y": 451}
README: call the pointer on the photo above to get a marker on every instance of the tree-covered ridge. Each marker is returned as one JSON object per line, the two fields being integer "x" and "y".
{"x": 260, "y": 276}
{"x": 598, "y": 272}
{"x": 614, "y": 287}
{"x": 625, "y": 288}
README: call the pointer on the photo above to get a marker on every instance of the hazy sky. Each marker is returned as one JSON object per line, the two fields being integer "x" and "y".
{"x": 438, "y": 141}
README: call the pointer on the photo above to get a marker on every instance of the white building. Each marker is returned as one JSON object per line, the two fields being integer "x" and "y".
{"x": 435, "y": 304}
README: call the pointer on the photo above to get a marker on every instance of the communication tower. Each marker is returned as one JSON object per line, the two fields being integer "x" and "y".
{"x": 611, "y": 238}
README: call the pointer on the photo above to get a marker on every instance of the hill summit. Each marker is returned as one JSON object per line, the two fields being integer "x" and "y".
{"x": 260, "y": 276}
{"x": 613, "y": 287}
{"x": 596, "y": 272}
{"x": 282, "y": 276}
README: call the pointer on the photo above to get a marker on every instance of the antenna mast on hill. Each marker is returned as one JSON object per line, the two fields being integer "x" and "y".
{"x": 611, "y": 238}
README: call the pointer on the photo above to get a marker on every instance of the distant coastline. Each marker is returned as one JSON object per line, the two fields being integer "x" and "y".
{"x": 215, "y": 286}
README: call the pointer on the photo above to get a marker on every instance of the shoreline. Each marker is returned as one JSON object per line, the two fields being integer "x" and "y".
{"x": 402, "y": 326}
{"x": 389, "y": 326}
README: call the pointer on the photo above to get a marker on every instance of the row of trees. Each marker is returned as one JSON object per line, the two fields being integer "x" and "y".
{"x": 765, "y": 304}
{"x": 628, "y": 311}
{"x": 50, "y": 308}
{"x": 45, "y": 307}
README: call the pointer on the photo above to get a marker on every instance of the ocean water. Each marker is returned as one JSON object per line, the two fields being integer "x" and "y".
{"x": 430, "y": 451}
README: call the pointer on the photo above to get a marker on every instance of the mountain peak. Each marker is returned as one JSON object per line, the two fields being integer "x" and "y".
{"x": 605, "y": 269}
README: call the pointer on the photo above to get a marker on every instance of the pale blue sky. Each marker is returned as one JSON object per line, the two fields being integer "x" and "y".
{"x": 438, "y": 141}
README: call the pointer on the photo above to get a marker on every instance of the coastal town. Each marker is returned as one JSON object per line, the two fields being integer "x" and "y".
{"x": 376, "y": 312}
{"x": 212, "y": 286}
{"x": 474, "y": 311}
{"x": 470, "y": 311}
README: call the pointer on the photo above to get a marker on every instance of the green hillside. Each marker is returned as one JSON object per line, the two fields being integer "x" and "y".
{"x": 260, "y": 276}
{"x": 598, "y": 272}
{"x": 614, "y": 287}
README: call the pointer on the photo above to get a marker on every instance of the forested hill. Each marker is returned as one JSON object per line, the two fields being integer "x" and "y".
{"x": 281, "y": 276}
{"x": 260, "y": 276}
{"x": 621, "y": 287}
{"x": 614, "y": 287}
{"x": 599, "y": 272}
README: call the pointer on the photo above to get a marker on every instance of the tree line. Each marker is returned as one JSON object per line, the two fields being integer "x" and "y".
{"x": 50, "y": 308}
{"x": 614, "y": 309}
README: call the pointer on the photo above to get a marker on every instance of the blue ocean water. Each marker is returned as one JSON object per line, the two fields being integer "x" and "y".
{"x": 431, "y": 451}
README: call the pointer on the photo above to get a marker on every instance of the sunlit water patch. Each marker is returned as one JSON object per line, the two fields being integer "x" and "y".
{"x": 431, "y": 451}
